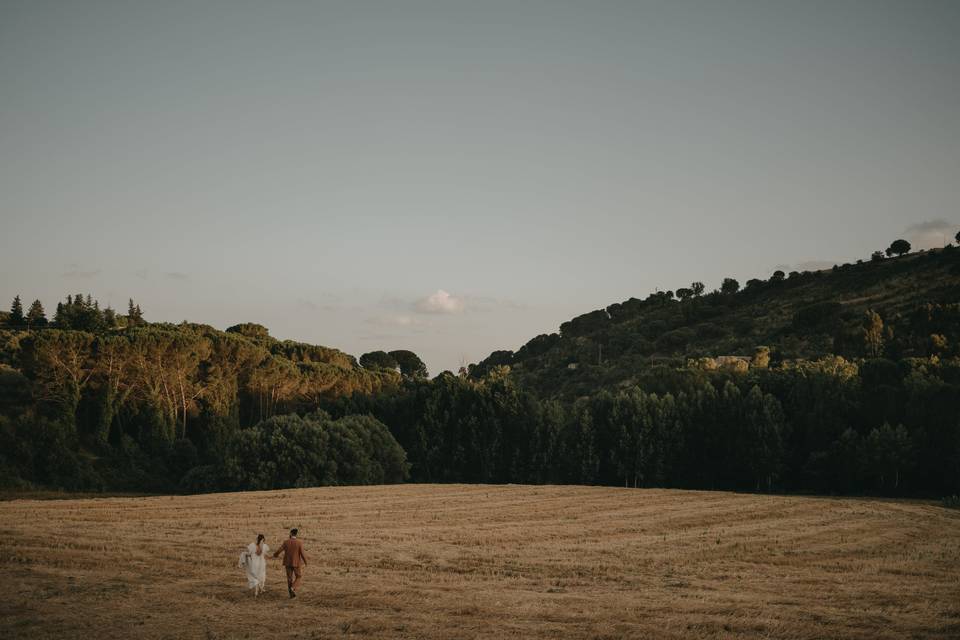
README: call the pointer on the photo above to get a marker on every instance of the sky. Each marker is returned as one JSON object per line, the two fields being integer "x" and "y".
{"x": 457, "y": 177}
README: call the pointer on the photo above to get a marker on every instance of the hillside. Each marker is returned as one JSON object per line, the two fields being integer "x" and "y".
{"x": 805, "y": 315}
{"x": 840, "y": 381}
{"x": 454, "y": 561}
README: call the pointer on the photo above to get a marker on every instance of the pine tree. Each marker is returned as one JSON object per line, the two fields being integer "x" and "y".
{"x": 36, "y": 317}
{"x": 134, "y": 314}
{"x": 16, "y": 313}
{"x": 110, "y": 317}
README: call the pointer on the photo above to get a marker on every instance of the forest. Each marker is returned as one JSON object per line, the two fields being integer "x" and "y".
{"x": 844, "y": 381}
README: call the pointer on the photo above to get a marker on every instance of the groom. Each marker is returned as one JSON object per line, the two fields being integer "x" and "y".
{"x": 293, "y": 560}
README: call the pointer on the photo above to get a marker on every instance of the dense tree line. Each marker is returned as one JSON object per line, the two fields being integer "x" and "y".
{"x": 96, "y": 402}
{"x": 833, "y": 426}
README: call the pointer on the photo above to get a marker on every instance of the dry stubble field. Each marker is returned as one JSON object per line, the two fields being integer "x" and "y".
{"x": 454, "y": 561}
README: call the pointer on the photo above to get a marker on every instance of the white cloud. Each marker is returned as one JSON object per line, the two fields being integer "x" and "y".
{"x": 440, "y": 302}
{"x": 931, "y": 234}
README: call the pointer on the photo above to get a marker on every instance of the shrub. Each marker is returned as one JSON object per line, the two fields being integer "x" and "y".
{"x": 203, "y": 479}
{"x": 313, "y": 450}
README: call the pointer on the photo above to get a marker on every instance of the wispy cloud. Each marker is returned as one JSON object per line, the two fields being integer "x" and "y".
{"x": 326, "y": 302}
{"x": 440, "y": 302}
{"x": 487, "y": 303}
{"x": 931, "y": 234}
{"x": 74, "y": 271}
{"x": 307, "y": 305}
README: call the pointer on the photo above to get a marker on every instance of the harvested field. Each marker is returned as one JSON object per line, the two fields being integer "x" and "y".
{"x": 455, "y": 561}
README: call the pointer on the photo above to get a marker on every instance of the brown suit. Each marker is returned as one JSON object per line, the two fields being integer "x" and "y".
{"x": 294, "y": 560}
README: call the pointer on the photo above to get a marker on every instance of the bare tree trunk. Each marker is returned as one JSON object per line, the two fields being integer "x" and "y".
{"x": 183, "y": 402}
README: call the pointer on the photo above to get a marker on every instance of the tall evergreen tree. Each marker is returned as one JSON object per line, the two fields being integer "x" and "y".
{"x": 134, "y": 314}
{"x": 16, "y": 313}
{"x": 110, "y": 317}
{"x": 36, "y": 317}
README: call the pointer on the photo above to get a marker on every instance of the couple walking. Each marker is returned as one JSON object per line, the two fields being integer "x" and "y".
{"x": 254, "y": 561}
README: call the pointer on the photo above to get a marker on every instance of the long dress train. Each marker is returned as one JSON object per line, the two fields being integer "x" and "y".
{"x": 255, "y": 566}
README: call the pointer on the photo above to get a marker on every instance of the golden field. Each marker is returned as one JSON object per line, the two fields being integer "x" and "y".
{"x": 456, "y": 561}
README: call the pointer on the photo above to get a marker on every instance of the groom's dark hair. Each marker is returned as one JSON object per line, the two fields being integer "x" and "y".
{"x": 293, "y": 532}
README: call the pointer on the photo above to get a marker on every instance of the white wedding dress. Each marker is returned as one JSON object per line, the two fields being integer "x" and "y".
{"x": 255, "y": 566}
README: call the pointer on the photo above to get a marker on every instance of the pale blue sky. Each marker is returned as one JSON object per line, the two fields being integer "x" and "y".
{"x": 325, "y": 168}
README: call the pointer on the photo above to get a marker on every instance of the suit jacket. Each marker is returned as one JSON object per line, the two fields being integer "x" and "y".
{"x": 292, "y": 553}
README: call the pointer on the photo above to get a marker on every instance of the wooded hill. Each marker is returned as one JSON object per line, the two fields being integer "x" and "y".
{"x": 837, "y": 381}
{"x": 888, "y": 306}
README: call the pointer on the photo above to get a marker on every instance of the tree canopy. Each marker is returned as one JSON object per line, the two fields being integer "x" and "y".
{"x": 898, "y": 248}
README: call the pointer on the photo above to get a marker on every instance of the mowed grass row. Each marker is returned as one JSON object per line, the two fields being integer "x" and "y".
{"x": 457, "y": 561}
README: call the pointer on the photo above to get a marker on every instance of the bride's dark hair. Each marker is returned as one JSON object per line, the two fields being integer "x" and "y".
{"x": 260, "y": 537}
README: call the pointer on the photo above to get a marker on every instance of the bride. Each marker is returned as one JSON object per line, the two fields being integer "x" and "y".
{"x": 254, "y": 561}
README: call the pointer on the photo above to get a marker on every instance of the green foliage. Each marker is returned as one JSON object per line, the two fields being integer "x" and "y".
{"x": 411, "y": 366}
{"x": 137, "y": 409}
{"x": 898, "y": 248}
{"x": 36, "y": 316}
{"x": 79, "y": 313}
{"x": 250, "y": 330}
{"x": 128, "y": 405}
{"x": 134, "y": 315}
{"x": 817, "y": 314}
{"x": 585, "y": 324}
{"x": 729, "y": 286}
{"x": 873, "y": 334}
{"x": 313, "y": 450}
{"x": 16, "y": 318}
{"x": 378, "y": 360}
